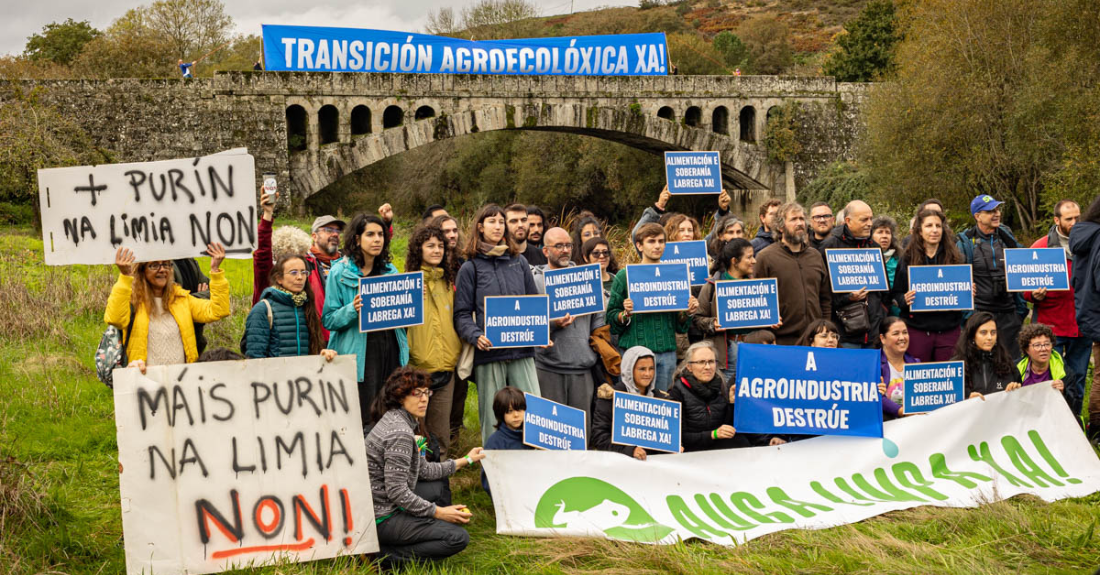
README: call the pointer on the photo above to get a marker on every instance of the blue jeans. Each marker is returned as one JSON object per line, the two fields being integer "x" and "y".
{"x": 666, "y": 367}
{"x": 1075, "y": 351}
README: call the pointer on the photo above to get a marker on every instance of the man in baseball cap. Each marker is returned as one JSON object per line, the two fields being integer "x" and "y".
{"x": 983, "y": 247}
{"x": 326, "y": 242}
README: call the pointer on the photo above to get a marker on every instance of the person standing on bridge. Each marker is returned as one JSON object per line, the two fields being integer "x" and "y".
{"x": 185, "y": 68}
{"x": 493, "y": 268}
{"x": 565, "y": 369}
{"x": 654, "y": 331}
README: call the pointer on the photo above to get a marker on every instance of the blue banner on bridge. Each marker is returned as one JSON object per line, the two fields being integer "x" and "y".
{"x": 321, "y": 49}
{"x": 391, "y": 301}
{"x": 1028, "y": 269}
{"x": 551, "y": 425}
{"x": 941, "y": 288}
{"x": 807, "y": 391}
{"x": 693, "y": 253}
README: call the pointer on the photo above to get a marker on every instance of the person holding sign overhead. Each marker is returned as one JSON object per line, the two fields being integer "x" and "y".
{"x": 989, "y": 368}
{"x": 156, "y": 315}
{"x": 377, "y": 353}
{"x": 493, "y": 268}
{"x": 285, "y": 321}
{"x": 638, "y": 370}
{"x": 856, "y": 331}
{"x": 655, "y": 331}
{"x": 894, "y": 340}
{"x": 932, "y": 334}
{"x": 410, "y": 528}
{"x": 983, "y": 247}
{"x": 434, "y": 345}
{"x": 734, "y": 262}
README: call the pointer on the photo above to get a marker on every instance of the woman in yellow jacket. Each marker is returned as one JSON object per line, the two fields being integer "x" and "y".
{"x": 164, "y": 313}
{"x": 434, "y": 346}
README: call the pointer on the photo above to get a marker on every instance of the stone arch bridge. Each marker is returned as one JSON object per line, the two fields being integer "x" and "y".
{"x": 314, "y": 128}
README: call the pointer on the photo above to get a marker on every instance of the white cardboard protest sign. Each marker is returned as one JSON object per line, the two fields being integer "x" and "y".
{"x": 161, "y": 210}
{"x": 239, "y": 463}
{"x": 962, "y": 455}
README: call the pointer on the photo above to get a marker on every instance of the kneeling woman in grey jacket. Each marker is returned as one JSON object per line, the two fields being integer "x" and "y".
{"x": 409, "y": 527}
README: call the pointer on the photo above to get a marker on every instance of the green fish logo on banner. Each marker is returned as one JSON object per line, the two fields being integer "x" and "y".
{"x": 584, "y": 503}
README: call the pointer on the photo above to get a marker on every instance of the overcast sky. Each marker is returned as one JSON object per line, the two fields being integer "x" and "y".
{"x": 22, "y": 18}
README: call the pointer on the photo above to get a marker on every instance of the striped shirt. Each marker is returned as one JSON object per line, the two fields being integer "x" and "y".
{"x": 394, "y": 464}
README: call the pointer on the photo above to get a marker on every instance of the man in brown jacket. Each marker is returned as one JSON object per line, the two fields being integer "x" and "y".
{"x": 802, "y": 278}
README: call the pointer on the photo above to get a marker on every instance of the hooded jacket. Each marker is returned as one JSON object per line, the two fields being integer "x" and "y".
{"x": 434, "y": 345}
{"x": 761, "y": 240}
{"x": 571, "y": 352}
{"x": 1056, "y": 309}
{"x": 1084, "y": 242}
{"x": 286, "y": 335}
{"x": 842, "y": 238}
{"x": 804, "y": 292}
{"x": 926, "y": 321}
{"x": 602, "y": 414}
{"x": 484, "y": 276}
{"x": 342, "y": 320}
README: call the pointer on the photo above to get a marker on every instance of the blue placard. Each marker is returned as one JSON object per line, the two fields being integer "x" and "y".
{"x": 746, "y": 303}
{"x": 941, "y": 288}
{"x": 551, "y": 425}
{"x": 807, "y": 391}
{"x": 852, "y": 269}
{"x": 694, "y": 254}
{"x": 645, "y": 422}
{"x": 391, "y": 301}
{"x": 575, "y": 290}
{"x": 930, "y": 386}
{"x": 693, "y": 172}
{"x": 1028, "y": 269}
{"x": 517, "y": 321}
{"x": 658, "y": 287}
{"x": 321, "y": 49}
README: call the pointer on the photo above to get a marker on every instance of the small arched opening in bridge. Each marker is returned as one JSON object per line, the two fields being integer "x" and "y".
{"x": 666, "y": 113}
{"x": 424, "y": 112}
{"x": 295, "y": 128}
{"x": 693, "y": 116}
{"x": 328, "y": 120}
{"x": 720, "y": 120}
{"x": 393, "y": 117}
{"x": 747, "y": 119}
{"x": 360, "y": 120}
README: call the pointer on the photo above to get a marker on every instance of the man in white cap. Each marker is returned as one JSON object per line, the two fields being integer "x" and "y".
{"x": 326, "y": 232}
{"x": 983, "y": 247}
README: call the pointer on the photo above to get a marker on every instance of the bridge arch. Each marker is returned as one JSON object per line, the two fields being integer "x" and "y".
{"x": 393, "y": 117}
{"x": 360, "y": 120}
{"x": 747, "y": 123}
{"x": 328, "y": 123}
{"x": 720, "y": 120}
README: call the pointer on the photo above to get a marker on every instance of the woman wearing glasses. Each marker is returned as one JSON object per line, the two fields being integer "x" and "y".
{"x": 157, "y": 316}
{"x": 285, "y": 321}
{"x": 598, "y": 251}
{"x": 1041, "y": 363}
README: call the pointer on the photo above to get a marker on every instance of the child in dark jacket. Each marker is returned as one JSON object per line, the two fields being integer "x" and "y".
{"x": 509, "y": 406}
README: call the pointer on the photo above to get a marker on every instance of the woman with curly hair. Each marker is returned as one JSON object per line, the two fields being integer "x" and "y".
{"x": 989, "y": 368}
{"x": 410, "y": 528}
{"x": 434, "y": 345}
{"x": 377, "y": 353}
{"x": 682, "y": 228}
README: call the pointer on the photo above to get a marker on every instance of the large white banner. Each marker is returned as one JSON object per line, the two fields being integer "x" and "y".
{"x": 161, "y": 210}
{"x": 962, "y": 455}
{"x": 241, "y": 463}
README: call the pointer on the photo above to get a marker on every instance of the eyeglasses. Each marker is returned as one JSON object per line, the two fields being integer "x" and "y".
{"x": 157, "y": 266}
{"x": 421, "y": 392}
{"x": 599, "y": 254}
{"x": 822, "y": 218}
{"x": 1042, "y": 346}
{"x": 704, "y": 362}
{"x": 329, "y": 230}
{"x": 829, "y": 335}
{"x": 561, "y": 247}
{"x": 298, "y": 273}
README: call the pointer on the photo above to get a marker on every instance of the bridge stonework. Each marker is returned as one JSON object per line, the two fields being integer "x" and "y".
{"x": 312, "y": 129}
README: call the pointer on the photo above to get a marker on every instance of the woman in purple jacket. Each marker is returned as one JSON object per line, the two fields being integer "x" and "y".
{"x": 894, "y": 340}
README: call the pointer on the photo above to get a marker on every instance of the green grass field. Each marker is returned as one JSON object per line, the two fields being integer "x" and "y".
{"x": 59, "y": 501}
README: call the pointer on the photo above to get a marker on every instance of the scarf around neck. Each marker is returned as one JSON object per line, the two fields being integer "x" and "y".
{"x": 299, "y": 298}
{"x": 705, "y": 391}
{"x": 323, "y": 257}
{"x": 488, "y": 249}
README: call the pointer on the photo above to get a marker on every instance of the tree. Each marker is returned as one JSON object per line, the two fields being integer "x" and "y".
{"x": 866, "y": 48}
{"x": 732, "y": 49}
{"x": 442, "y": 22}
{"x": 129, "y": 48}
{"x": 769, "y": 43}
{"x": 191, "y": 27}
{"x": 499, "y": 19}
{"x": 999, "y": 98}
{"x": 60, "y": 43}
{"x": 693, "y": 55}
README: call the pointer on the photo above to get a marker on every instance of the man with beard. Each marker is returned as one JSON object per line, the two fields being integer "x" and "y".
{"x": 855, "y": 233}
{"x": 803, "y": 279}
{"x": 983, "y": 247}
{"x": 516, "y": 224}
{"x": 536, "y": 224}
{"x": 565, "y": 368}
{"x": 1057, "y": 308}
{"x": 821, "y": 222}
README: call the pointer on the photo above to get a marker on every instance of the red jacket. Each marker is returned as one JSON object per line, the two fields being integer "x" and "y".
{"x": 263, "y": 260}
{"x": 1056, "y": 309}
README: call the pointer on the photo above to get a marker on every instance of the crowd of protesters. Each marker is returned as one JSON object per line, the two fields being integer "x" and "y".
{"x": 413, "y": 382}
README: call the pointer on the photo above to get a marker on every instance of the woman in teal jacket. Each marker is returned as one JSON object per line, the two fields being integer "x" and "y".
{"x": 285, "y": 322}
{"x": 377, "y": 353}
